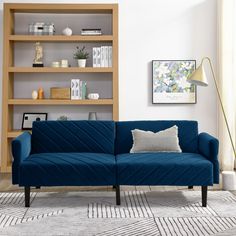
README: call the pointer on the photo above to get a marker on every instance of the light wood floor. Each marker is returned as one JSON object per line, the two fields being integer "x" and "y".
{"x": 6, "y": 185}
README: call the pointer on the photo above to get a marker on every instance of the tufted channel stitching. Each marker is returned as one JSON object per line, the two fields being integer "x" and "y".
{"x": 73, "y": 136}
{"x": 72, "y": 169}
{"x": 164, "y": 169}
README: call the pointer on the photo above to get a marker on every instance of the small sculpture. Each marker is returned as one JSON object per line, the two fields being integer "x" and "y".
{"x": 67, "y": 31}
{"x": 55, "y": 64}
{"x": 64, "y": 63}
{"x": 34, "y": 94}
{"x": 40, "y": 93}
{"x": 62, "y": 118}
{"x": 38, "y": 59}
{"x": 93, "y": 96}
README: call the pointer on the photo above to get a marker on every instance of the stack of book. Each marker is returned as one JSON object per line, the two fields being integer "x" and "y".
{"x": 102, "y": 56}
{"x": 91, "y": 32}
{"x": 78, "y": 89}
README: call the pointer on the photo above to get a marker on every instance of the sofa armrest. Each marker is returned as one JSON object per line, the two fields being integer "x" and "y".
{"x": 208, "y": 146}
{"x": 21, "y": 147}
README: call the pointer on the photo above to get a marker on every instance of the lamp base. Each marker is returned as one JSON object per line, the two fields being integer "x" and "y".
{"x": 228, "y": 180}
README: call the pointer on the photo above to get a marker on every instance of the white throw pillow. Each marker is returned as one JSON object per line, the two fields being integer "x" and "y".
{"x": 163, "y": 141}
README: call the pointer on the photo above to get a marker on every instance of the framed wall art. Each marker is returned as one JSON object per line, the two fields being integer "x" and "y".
{"x": 29, "y": 118}
{"x": 169, "y": 82}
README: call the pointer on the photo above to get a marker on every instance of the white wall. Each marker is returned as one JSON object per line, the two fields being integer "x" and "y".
{"x": 160, "y": 29}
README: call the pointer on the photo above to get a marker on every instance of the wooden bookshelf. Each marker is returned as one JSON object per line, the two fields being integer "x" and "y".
{"x": 10, "y": 70}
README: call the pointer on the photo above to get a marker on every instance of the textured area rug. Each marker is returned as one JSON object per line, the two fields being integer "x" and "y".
{"x": 141, "y": 213}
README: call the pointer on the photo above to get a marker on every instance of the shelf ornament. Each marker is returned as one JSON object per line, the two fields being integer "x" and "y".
{"x": 38, "y": 59}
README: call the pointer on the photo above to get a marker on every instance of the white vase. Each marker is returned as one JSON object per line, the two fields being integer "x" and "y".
{"x": 92, "y": 116}
{"x": 82, "y": 62}
{"x": 67, "y": 31}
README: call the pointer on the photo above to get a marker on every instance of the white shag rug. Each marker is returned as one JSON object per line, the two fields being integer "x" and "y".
{"x": 141, "y": 213}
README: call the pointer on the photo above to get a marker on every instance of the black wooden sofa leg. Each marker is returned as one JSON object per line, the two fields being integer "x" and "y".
{"x": 27, "y": 196}
{"x": 117, "y": 195}
{"x": 190, "y": 187}
{"x": 37, "y": 187}
{"x": 204, "y": 196}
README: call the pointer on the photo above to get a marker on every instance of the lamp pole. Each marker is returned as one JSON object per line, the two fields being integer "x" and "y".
{"x": 221, "y": 103}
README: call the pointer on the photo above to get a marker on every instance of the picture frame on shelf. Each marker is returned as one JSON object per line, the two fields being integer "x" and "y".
{"x": 169, "y": 82}
{"x": 29, "y": 118}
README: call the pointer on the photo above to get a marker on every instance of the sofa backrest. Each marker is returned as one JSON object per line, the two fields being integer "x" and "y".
{"x": 73, "y": 136}
{"x": 187, "y": 133}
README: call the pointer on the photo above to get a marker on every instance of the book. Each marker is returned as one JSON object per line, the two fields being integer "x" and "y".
{"x": 95, "y": 57}
{"x": 110, "y": 56}
{"x": 84, "y": 90}
{"x": 106, "y": 56}
{"x": 102, "y": 56}
{"x": 73, "y": 89}
{"x": 91, "y": 29}
{"x": 80, "y": 89}
{"x": 91, "y": 32}
{"x": 98, "y": 63}
{"x": 77, "y": 91}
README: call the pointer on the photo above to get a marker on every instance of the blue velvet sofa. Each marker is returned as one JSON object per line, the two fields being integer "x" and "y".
{"x": 96, "y": 153}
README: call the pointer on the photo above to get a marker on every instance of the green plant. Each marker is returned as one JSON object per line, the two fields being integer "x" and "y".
{"x": 81, "y": 53}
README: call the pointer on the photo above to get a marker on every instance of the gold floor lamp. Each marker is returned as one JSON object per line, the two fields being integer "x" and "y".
{"x": 198, "y": 77}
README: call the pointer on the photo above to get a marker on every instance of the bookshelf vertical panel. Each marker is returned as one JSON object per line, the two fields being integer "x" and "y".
{"x": 115, "y": 63}
{"x": 7, "y": 113}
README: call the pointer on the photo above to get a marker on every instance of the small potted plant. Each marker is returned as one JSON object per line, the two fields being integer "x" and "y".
{"x": 81, "y": 55}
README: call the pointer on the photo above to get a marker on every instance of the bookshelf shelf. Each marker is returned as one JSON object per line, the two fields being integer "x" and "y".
{"x": 62, "y": 8}
{"x": 59, "y": 102}
{"x": 60, "y": 70}
{"x": 60, "y": 38}
{"x": 11, "y": 57}
{"x": 14, "y": 133}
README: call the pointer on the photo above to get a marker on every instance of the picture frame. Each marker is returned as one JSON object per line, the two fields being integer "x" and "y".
{"x": 29, "y": 118}
{"x": 169, "y": 82}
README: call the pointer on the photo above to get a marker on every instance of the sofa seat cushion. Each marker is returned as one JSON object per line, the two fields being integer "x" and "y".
{"x": 180, "y": 169}
{"x": 68, "y": 169}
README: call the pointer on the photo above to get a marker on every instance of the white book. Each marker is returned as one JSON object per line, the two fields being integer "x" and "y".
{"x": 94, "y": 57}
{"x": 98, "y": 57}
{"x": 72, "y": 91}
{"x": 106, "y": 57}
{"x": 77, "y": 81}
{"x": 110, "y": 56}
{"x": 91, "y": 33}
{"x": 102, "y": 56}
{"x": 81, "y": 90}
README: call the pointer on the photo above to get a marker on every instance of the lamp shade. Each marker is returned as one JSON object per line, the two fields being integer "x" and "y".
{"x": 198, "y": 77}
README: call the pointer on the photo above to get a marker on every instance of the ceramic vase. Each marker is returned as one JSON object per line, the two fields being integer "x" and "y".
{"x": 35, "y": 94}
{"x": 67, "y": 31}
{"x": 92, "y": 116}
{"x": 82, "y": 62}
